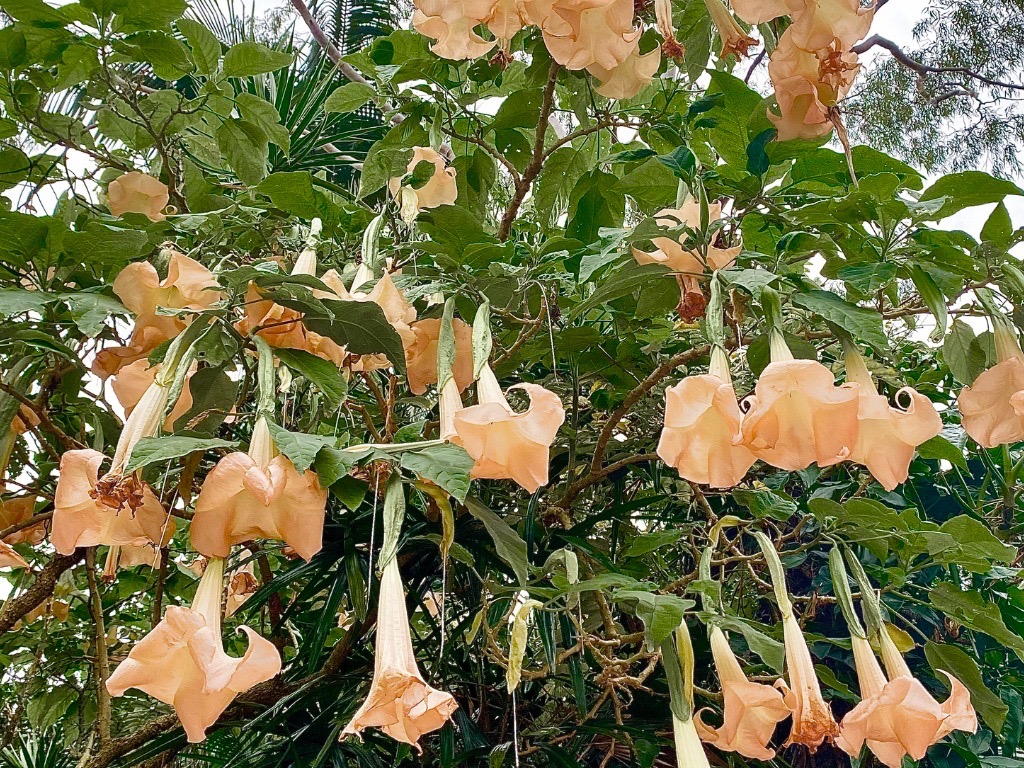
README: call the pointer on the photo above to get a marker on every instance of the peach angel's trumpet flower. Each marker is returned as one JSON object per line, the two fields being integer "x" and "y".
{"x": 702, "y": 437}
{"x": 182, "y": 661}
{"x": 451, "y": 24}
{"x": 797, "y": 415}
{"x": 993, "y": 406}
{"x": 117, "y": 508}
{"x": 581, "y": 33}
{"x": 132, "y": 555}
{"x": 751, "y": 710}
{"x": 132, "y": 381}
{"x": 760, "y": 11}
{"x": 735, "y": 40}
{"x": 188, "y": 285}
{"x": 421, "y": 354}
{"x": 16, "y": 510}
{"x": 819, "y": 24}
{"x": 259, "y": 494}
{"x": 663, "y": 21}
{"x": 506, "y": 445}
{"x": 627, "y": 79}
{"x": 507, "y": 18}
{"x": 813, "y": 722}
{"x": 9, "y": 557}
{"x": 439, "y": 189}
{"x": 671, "y": 252}
{"x": 400, "y": 701}
{"x": 137, "y": 192}
{"x": 887, "y": 436}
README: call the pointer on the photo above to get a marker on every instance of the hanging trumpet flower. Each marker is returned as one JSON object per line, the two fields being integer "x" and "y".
{"x": 182, "y": 662}
{"x": 677, "y": 658}
{"x": 399, "y": 702}
{"x": 813, "y": 723}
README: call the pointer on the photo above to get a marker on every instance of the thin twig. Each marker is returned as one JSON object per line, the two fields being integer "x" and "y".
{"x": 877, "y": 41}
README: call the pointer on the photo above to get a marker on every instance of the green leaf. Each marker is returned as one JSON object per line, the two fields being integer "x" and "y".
{"x": 868, "y": 278}
{"x": 966, "y": 190}
{"x": 168, "y": 55}
{"x": 323, "y": 373}
{"x": 954, "y": 661}
{"x": 560, "y": 173}
{"x": 14, "y": 301}
{"x": 293, "y": 192}
{"x": 332, "y": 464}
{"x": 594, "y": 204}
{"x": 249, "y": 58}
{"x": 507, "y": 543}
{"x": 933, "y": 299}
{"x": 349, "y": 97}
{"x": 245, "y": 146}
{"x": 940, "y": 448}
{"x": 864, "y": 324}
{"x": 998, "y": 228}
{"x": 204, "y": 44}
{"x": 362, "y": 328}
{"x": 264, "y": 116}
{"x": 300, "y": 448}
{"x": 661, "y": 614}
{"x": 651, "y": 184}
{"x": 974, "y": 612}
{"x": 765, "y": 503}
{"x": 445, "y": 465}
{"x": 648, "y": 542}
{"x": 979, "y": 549}
{"x": 771, "y": 651}
{"x": 152, "y": 450}
{"x": 962, "y": 354}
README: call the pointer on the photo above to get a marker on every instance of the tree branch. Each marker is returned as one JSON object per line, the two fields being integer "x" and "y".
{"x": 877, "y": 41}
{"x": 101, "y": 664}
{"x": 16, "y": 607}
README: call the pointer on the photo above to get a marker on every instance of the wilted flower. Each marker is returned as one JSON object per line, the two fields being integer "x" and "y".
{"x": 671, "y": 46}
{"x": 451, "y": 23}
{"x": 136, "y": 192}
{"x": 751, "y": 710}
{"x": 421, "y": 354}
{"x": 581, "y": 33}
{"x": 132, "y": 381}
{"x": 506, "y": 445}
{"x": 400, "y": 702}
{"x": 439, "y": 189}
{"x": 259, "y": 494}
{"x": 671, "y": 252}
{"x": 627, "y": 79}
{"x": 887, "y": 436}
{"x": 812, "y": 718}
{"x": 182, "y": 661}
{"x": 797, "y": 415}
{"x": 735, "y": 40}
{"x": 242, "y": 583}
{"x": 19, "y": 509}
{"x": 993, "y": 406}
{"x": 702, "y": 437}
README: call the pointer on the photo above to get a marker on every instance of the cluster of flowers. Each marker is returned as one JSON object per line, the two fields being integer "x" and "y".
{"x": 813, "y": 66}
{"x": 599, "y": 36}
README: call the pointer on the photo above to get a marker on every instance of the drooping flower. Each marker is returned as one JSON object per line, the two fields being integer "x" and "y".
{"x": 182, "y": 662}
{"x": 421, "y": 354}
{"x": 9, "y": 557}
{"x": 87, "y": 514}
{"x": 439, "y": 189}
{"x": 751, "y": 710}
{"x": 400, "y": 702}
{"x": 133, "y": 555}
{"x": 507, "y": 18}
{"x": 887, "y": 436}
{"x": 702, "y": 437}
{"x": 581, "y": 33}
{"x": 735, "y": 41}
{"x": 672, "y": 253}
{"x": 899, "y": 717}
{"x": 820, "y": 23}
{"x": 663, "y": 21}
{"x": 259, "y": 494}
{"x": 506, "y": 445}
{"x": 689, "y": 750}
{"x": 627, "y": 79}
{"x": 813, "y": 723}
{"x": 137, "y": 192}
{"x": 450, "y": 23}
{"x": 760, "y": 11}
{"x": 242, "y": 583}
{"x": 993, "y": 406}
{"x": 132, "y": 381}
{"x": 797, "y": 415}
{"x": 19, "y": 509}
{"x": 188, "y": 285}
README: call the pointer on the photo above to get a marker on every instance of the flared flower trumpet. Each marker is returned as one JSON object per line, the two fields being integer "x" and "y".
{"x": 439, "y": 189}
{"x": 451, "y": 23}
{"x": 182, "y": 662}
{"x": 137, "y": 192}
{"x": 627, "y": 79}
{"x": 735, "y": 41}
{"x": 421, "y": 354}
{"x": 887, "y": 436}
{"x": 400, "y": 702}
{"x": 9, "y": 557}
{"x": 259, "y": 494}
{"x": 993, "y": 406}
{"x": 581, "y": 33}
{"x": 673, "y": 254}
{"x": 132, "y": 381}
{"x": 19, "y": 509}
{"x": 797, "y": 415}
{"x": 506, "y": 445}
{"x": 751, "y": 710}
{"x": 701, "y": 437}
